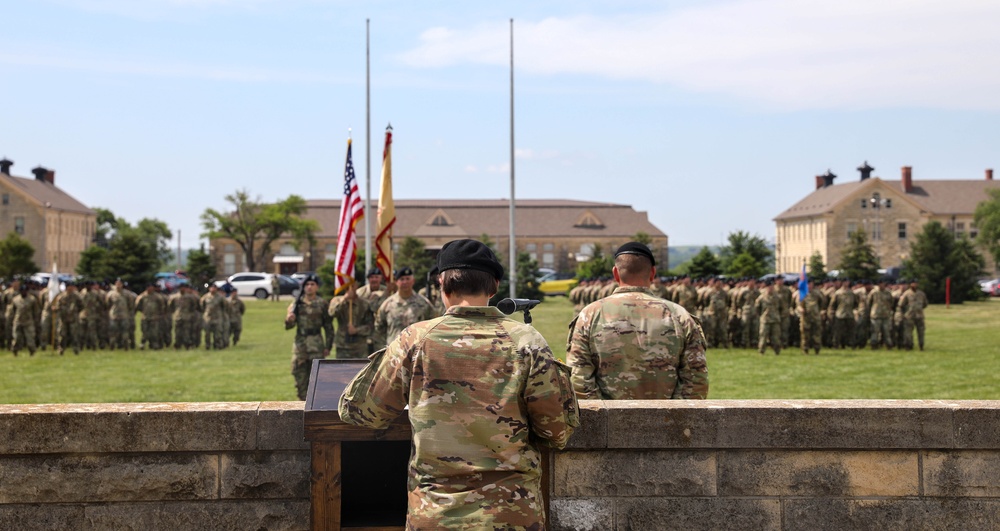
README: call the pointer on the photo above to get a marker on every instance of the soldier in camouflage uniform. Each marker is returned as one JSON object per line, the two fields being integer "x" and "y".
{"x": 355, "y": 324}
{"x": 880, "y": 308}
{"x": 66, "y": 311}
{"x": 716, "y": 307}
{"x": 810, "y": 321}
{"x": 119, "y": 311}
{"x": 375, "y": 293}
{"x": 862, "y": 321}
{"x": 686, "y": 295}
{"x": 483, "y": 392}
{"x": 841, "y": 315}
{"x": 632, "y": 345}
{"x": 912, "y": 305}
{"x": 400, "y": 310}
{"x": 308, "y": 315}
{"x": 751, "y": 320}
{"x": 769, "y": 307}
{"x": 153, "y": 306}
{"x": 236, "y": 310}
{"x": 90, "y": 317}
{"x": 213, "y": 311}
{"x": 23, "y": 313}
{"x": 184, "y": 312}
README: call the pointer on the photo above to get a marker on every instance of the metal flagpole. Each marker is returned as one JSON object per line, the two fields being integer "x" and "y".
{"x": 368, "y": 151}
{"x": 513, "y": 246}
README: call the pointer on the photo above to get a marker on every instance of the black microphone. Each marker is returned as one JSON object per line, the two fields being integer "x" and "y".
{"x": 509, "y": 306}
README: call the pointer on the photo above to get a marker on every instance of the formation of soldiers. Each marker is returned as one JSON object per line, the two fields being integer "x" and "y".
{"x": 748, "y": 313}
{"x": 92, "y": 315}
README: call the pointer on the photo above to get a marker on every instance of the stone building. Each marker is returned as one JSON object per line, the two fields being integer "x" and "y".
{"x": 557, "y": 233}
{"x": 892, "y": 213}
{"x": 57, "y": 225}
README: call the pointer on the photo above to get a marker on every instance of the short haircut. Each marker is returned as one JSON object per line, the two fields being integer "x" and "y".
{"x": 468, "y": 282}
{"x": 633, "y": 267}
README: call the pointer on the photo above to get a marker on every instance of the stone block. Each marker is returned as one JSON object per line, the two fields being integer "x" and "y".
{"x": 137, "y": 477}
{"x": 273, "y": 515}
{"x": 969, "y": 473}
{"x": 279, "y": 426}
{"x": 634, "y": 473}
{"x": 41, "y": 517}
{"x": 977, "y": 425}
{"x": 265, "y": 475}
{"x": 138, "y": 427}
{"x": 586, "y": 514}
{"x": 818, "y": 473}
{"x": 869, "y": 424}
{"x": 696, "y": 514}
{"x": 924, "y": 514}
{"x": 661, "y": 424}
{"x": 593, "y": 429}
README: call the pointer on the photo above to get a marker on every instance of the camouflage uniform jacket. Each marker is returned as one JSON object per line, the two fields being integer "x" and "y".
{"x": 633, "y": 345}
{"x": 183, "y": 306}
{"x": 483, "y": 391}
{"x": 861, "y": 310}
{"x": 236, "y": 309}
{"x": 718, "y": 302}
{"x": 213, "y": 308}
{"x": 842, "y": 304}
{"x": 809, "y": 307}
{"x": 119, "y": 304}
{"x": 912, "y": 304}
{"x": 344, "y": 312}
{"x": 152, "y": 305}
{"x": 396, "y": 313}
{"x": 67, "y": 306}
{"x": 93, "y": 305}
{"x": 880, "y": 304}
{"x": 24, "y": 310}
{"x": 687, "y": 297}
{"x": 311, "y": 324}
{"x": 769, "y": 306}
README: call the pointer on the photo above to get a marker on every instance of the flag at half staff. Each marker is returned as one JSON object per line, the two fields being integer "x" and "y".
{"x": 386, "y": 212}
{"x": 351, "y": 210}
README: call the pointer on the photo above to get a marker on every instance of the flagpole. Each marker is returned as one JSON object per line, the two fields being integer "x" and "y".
{"x": 513, "y": 245}
{"x": 368, "y": 150}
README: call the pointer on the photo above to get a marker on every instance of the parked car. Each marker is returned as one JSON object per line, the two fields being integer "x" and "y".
{"x": 170, "y": 282}
{"x": 990, "y": 286}
{"x": 556, "y": 283}
{"x": 259, "y": 285}
{"x": 300, "y": 277}
{"x": 44, "y": 279}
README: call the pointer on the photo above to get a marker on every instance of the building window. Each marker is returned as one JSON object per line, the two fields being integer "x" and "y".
{"x": 902, "y": 230}
{"x": 973, "y": 231}
{"x": 888, "y": 203}
{"x": 548, "y": 247}
{"x": 851, "y": 229}
{"x": 19, "y": 225}
{"x": 877, "y": 231}
{"x": 548, "y": 259}
{"x": 330, "y": 251}
{"x": 6, "y": 199}
{"x": 229, "y": 248}
{"x": 864, "y": 203}
{"x": 440, "y": 221}
{"x": 959, "y": 229}
{"x": 531, "y": 247}
{"x": 229, "y": 264}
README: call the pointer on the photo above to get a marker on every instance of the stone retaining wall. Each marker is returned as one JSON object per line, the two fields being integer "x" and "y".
{"x": 761, "y": 465}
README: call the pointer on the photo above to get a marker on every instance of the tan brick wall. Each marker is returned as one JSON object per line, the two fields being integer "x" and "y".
{"x": 34, "y": 222}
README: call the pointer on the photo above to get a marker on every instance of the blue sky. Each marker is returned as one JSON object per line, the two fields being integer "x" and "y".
{"x": 712, "y": 116}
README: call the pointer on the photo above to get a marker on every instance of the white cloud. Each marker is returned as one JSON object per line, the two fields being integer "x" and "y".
{"x": 785, "y": 54}
{"x": 471, "y": 169}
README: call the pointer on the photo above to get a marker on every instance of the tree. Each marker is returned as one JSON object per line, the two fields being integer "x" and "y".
{"x": 412, "y": 253}
{"x": 134, "y": 253}
{"x": 133, "y": 258}
{"x": 94, "y": 262}
{"x": 200, "y": 267}
{"x": 935, "y": 256}
{"x": 817, "y": 272}
{"x": 254, "y": 225}
{"x": 526, "y": 286}
{"x": 598, "y": 266}
{"x": 745, "y": 265}
{"x": 157, "y": 232}
{"x": 16, "y": 257}
{"x": 704, "y": 264}
{"x": 743, "y": 243}
{"x": 987, "y": 219}
{"x": 859, "y": 261}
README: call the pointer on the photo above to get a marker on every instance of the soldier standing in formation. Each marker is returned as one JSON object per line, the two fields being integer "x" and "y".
{"x": 213, "y": 312}
{"x": 355, "y": 324}
{"x": 311, "y": 321}
{"x": 23, "y": 313}
{"x": 633, "y": 345}
{"x": 236, "y": 311}
{"x": 120, "y": 310}
{"x": 152, "y": 304}
{"x": 483, "y": 393}
{"x": 912, "y": 304}
{"x": 400, "y": 310}
{"x": 810, "y": 321}
{"x": 66, "y": 308}
{"x": 841, "y": 314}
{"x": 769, "y": 307}
{"x": 375, "y": 293}
{"x": 880, "y": 302}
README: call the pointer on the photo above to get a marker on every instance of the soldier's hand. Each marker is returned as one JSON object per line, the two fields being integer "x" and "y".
{"x": 351, "y": 329}
{"x": 326, "y": 353}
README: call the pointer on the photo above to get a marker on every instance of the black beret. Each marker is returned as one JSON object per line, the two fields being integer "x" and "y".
{"x": 636, "y": 248}
{"x": 469, "y": 254}
{"x": 374, "y": 271}
{"x": 403, "y": 272}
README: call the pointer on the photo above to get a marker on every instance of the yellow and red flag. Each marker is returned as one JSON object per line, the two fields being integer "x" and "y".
{"x": 386, "y": 212}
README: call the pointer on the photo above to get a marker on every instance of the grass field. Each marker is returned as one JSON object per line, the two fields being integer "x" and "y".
{"x": 962, "y": 361}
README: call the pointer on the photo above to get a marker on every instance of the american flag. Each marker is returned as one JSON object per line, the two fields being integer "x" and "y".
{"x": 351, "y": 210}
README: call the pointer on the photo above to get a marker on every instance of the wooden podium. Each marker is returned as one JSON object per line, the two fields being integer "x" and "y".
{"x": 358, "y": 474}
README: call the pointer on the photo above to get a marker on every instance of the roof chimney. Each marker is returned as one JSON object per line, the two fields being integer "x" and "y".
{"x": 819, "y": 182}
{"x": 828, "y": 178}
{"x": 40, "y": 173}
{"x": 51, "y": 177}
{"x": 866, "y": 171}
{"x": 5, "y": 166}
{"x": 989, "y": 173}
{"x": 907, "y": 179}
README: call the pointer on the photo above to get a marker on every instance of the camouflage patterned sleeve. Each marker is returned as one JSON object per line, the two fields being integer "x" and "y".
{"x": 378, "y": 394}
{"x": 327, "y": 329}
{"x": 288, "y": 325}
{"x": 581, "y": 360}
{"x": 550, "y": 400}
{"x": 692, "y": 370}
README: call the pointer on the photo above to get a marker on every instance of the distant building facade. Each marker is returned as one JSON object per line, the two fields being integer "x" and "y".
{"x": 557, "y": 233}
{"x": 57, "y": 225}
{"x": 892, "y": 213}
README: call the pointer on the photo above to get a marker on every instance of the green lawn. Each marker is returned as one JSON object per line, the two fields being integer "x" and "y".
{"x": 962, "y": 361}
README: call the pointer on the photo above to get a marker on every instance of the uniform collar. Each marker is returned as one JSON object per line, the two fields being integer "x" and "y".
{"x": 488, "y": 311}
{"x": 631, "y": 289}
